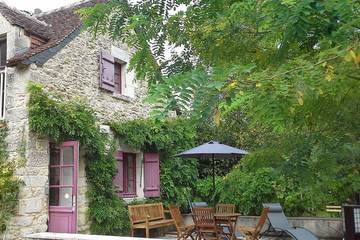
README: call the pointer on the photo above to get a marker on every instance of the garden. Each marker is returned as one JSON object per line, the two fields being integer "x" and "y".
{"x": 280, "y": 79}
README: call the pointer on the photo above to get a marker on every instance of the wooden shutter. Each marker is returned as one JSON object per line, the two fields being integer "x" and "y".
{"x": 119, "y": 177}
{"x": 151, "y": 175}
{"x": 107, "y": 71}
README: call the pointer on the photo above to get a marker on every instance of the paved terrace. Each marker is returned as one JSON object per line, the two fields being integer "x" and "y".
{"x": 67, "y": 236}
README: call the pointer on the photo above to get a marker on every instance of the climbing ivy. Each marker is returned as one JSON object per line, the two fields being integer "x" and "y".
{"x": 9, "y": 185}
{"x": 169, "y": 136}
{"x": 59, "y": 120}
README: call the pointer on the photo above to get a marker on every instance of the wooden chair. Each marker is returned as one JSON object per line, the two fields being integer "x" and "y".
{"x": 183, "y": 231}
{"x": 226, "y": 222}
{"x": 205, "y": 224}
{"x": 225, "y": 208}
{"x": 251, "y": 233}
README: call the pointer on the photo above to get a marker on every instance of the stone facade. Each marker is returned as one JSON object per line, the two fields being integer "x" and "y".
{"x": 74, "y": 72}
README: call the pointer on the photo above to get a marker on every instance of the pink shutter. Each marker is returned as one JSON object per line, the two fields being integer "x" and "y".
{"x": 119, "y": 177}
{"x": 107, "y": 71}
{"x": 151, "y": 175}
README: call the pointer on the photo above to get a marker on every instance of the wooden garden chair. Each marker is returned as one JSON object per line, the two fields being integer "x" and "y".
{"x": 251, "y": 233}
{"x": 183, "y": 231}
{"x": 226, "y": 222}
{"x": 225, "y": 208}
{"x": 205, "y": 224}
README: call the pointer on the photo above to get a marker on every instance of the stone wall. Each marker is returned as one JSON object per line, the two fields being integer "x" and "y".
{"x": 31, "y": 155}
{"x": 73, "y": 72}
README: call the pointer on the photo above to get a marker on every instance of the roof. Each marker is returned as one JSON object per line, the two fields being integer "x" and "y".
{"x": 57, "y": 27}
{"x": 25, "y": 21}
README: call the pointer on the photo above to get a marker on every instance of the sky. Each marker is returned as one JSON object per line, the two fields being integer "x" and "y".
{"x": 44, "y": 5}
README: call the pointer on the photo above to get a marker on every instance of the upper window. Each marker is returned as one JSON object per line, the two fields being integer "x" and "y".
{"x": 117, "y": 77}
{"x": 2, "y": 53}
{"x": 2, "y": 76}
{"x": 111, "y": 73}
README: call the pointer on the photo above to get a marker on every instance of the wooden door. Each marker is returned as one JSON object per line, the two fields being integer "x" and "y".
{"x": 63, "y": 171}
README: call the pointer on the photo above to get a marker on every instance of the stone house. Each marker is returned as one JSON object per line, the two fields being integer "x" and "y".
{"x": 50, "y": 48}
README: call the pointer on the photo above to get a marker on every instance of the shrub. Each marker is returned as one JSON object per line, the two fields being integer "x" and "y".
{"x": 248, "y": 190}
{"x": 9, "y": 185}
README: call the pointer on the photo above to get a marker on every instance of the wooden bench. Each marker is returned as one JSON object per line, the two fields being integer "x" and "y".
{"x": 333, "y": 209}
{"x": 148, "y": 216}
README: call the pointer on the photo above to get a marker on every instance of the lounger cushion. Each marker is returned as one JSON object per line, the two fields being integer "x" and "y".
{"x": 273, "y": 207}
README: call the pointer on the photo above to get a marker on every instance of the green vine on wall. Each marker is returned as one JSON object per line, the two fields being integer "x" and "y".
{"x": 9, "y": 185}
{"x": 59, "y": 120}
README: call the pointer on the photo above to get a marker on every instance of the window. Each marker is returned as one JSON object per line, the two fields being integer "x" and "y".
{"x": 111, "y": 78}
{"x": 2, "y": 76}
{"x": 2, "y": 53}
{"x": 125, "y": 179}
{"x": 117, "y": 77}
{"x": 129, "y": 174}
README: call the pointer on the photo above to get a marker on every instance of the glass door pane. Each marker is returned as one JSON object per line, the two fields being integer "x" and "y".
{"x": 67, "y": 176}
{"x": 68, "y": 155}
{"x": 54, "y": 176}
{"x": 54, "y": 196}
{"x": 66, "y": 197}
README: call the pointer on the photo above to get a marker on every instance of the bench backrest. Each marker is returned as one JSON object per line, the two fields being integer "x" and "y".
{"x": 152, "y": 212}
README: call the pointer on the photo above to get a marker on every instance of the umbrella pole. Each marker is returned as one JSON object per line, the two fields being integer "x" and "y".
{"x": 213, "y": 162}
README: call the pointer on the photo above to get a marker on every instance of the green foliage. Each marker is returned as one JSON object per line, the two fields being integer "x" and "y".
{"x": 9, "y": 185}
{"x": 60, "y": 120}
{"x": 234, "y": 130}
{"x": 248, "y": 190}
{"x": 143, "y": 201}
{"x": 307, "y": 172}
{"x": 168, "y": 138}
{"x": 203, "y": 190}
{"x": 178, "y": 178}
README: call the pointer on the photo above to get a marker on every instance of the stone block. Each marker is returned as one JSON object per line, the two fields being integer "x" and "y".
{"x": 23, "y": 221}
{"x": 31, "y": 205}
{"x": 36, "y": 181}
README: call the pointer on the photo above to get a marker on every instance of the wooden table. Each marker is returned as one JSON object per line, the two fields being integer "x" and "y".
{"x": 228, "y": 219}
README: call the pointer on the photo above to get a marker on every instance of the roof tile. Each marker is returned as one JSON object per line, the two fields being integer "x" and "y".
{"x": 54, "y": 26}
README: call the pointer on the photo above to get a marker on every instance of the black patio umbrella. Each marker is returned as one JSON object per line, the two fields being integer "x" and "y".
{"x": 211, "y": 150}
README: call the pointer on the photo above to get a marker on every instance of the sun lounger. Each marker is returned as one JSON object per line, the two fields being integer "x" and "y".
{"x": 279, "y": 223}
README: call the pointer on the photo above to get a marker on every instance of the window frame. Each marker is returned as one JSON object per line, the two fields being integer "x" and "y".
{"x": 3, "y": 38}
{"x": 126, "y": 192}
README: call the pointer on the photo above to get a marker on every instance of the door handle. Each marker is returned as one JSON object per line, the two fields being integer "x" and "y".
{"x": 74, "y": 201}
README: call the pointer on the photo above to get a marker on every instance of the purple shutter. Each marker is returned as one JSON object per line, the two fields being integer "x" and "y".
{"x": 119, "y": 177}
{"x": 107, "y": 73}
{"x": 151, "y": 175}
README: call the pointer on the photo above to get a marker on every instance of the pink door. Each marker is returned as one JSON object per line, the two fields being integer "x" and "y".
{"x": 63, "y": 170}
